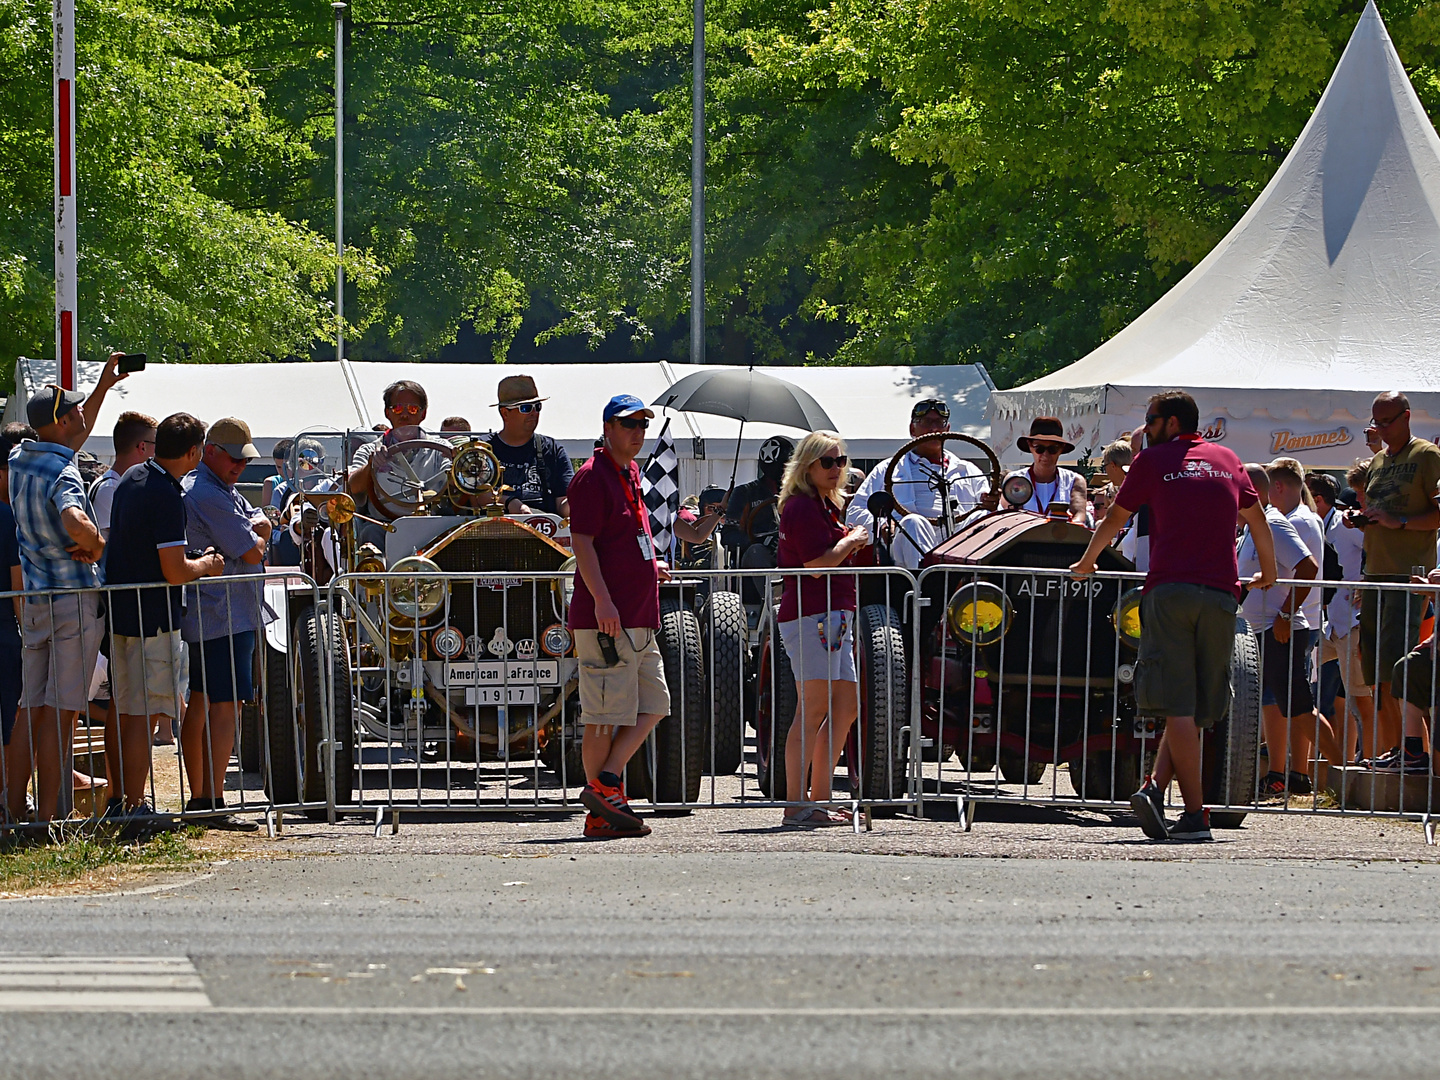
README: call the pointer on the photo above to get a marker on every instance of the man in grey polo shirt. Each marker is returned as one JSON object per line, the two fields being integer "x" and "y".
{"x": 221, "y": 614}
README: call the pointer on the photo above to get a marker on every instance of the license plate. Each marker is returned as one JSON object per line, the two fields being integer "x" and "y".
{"x": 503, "y": 672}
{"x": 502, "y": 695}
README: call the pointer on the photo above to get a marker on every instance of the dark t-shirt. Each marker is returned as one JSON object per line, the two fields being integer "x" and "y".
{"x": 1195, "y": 490}
{"x": 600, "y": 509}
{"x": 148, "y": 514}
{"x": 9, "y": 557}
{"x": 539, "y": 472}
{"x": 808, "y": 528}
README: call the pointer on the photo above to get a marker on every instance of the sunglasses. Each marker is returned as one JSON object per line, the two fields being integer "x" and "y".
{"x": 932, "y": 405}
{"x": 630, "y": 423}
{"x": 405, "y": 410}
{"x": 527, "y": 408}
{"x": 828, "y": 462}
{"x": 1045, "y": 449}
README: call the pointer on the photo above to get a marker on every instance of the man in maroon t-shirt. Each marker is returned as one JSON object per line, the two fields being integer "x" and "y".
{"x": 614, "y": 616}
{"x": 1195, "y": 491}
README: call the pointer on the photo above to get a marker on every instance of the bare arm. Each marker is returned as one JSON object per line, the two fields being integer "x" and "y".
{"x": 857, "y": 537}
{"x": 178, "y": 569}
{"x": 562, "y": 506}
{"x": 1264, "y": 540}
{"x": 78, "y": 526}
{"x": 1079, "y": 500}
{"x": 698, "y": 531}
{"x": 109, "y": 376}
{"x": 1430, "y": 519}
{"x": 1105, "y": 532}
{"x": 607, "y": 616}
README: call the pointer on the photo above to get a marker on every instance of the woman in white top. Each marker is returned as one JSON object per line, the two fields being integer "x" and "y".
{"x": 1045, "y": 443}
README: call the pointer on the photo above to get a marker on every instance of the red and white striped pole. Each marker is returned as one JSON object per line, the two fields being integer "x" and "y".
{"x": 65, "y": 284}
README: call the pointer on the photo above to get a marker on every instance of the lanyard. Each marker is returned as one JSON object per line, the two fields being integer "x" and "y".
{"x": 627, "y": 485}
{"x": 1044, "y": 507}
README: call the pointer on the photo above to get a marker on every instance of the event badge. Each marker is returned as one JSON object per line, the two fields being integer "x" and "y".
{"x": 647, "y": 549}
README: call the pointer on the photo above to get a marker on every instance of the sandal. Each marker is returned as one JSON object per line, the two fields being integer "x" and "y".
{"x": 806, "y": 817}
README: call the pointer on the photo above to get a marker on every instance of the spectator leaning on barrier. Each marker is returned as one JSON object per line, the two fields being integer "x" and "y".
{"x": 15, "y": 767}
{"x": 147, "y": 544}
{"x": 1195, "y": 490}
{"x": 134, "y": 439}
{"x": 59, "y": 547}
{"x": 817, "y": 623}
{"x": 614, "y": 616}
{"x": 1401, "y": 483}
{"x": 221, "y": 617}
{"x": 916, "y": 485}
{"x": 536, "y": 468}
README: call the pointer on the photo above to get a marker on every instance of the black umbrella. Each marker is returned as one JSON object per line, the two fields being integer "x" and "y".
{"x": 749, "y": 396}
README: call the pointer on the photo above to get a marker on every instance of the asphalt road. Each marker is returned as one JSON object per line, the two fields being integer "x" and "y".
{"x": 769, "y": 964}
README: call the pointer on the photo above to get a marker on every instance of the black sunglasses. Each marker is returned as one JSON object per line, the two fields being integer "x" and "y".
{"x": 632, "y": 422}
{"x": 828, "y": 462}
{"x": 930, "y": 405}
{"x": 1045, "y": 448}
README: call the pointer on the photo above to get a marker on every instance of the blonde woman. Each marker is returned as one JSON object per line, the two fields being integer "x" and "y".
{"x": 817, "y": 622}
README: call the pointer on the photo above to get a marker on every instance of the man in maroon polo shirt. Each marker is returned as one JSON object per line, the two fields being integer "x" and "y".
{"x": 1195, "y": 490}
{"x": 615, "y": 615}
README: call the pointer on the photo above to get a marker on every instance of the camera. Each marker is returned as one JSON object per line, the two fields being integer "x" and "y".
{"x": 1357, "y": 518}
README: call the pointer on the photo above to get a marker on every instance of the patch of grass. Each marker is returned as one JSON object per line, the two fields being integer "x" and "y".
{"x": 24, "y": 867}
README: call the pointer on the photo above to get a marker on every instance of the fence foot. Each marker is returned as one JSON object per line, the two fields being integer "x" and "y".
{"x": 1429, "y": 825}
{"x": 869, "y": 819}
{"x": 962, "y": 813}
{"x": 379, "y": 820}
{"x": 395, "y": 822}
{"x": 274, "y": 823}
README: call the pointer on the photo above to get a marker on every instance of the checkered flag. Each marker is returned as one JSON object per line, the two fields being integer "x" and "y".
{"x": 661, "y": 482}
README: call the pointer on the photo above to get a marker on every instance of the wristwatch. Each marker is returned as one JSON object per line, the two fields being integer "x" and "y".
{"x": 1283, "y": 615}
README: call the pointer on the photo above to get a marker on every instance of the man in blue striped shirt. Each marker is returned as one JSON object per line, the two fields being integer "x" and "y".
{"x": 59, "y": 548}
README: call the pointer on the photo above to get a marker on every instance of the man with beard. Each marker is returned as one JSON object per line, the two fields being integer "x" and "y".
{"x": 1195, "y": 491}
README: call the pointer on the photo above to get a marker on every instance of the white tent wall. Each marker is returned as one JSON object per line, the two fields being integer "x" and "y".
{"x": 1322, "y": 295}
{"x": 870, "y": 405}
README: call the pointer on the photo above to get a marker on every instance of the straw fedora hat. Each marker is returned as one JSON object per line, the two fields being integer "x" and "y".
{"x": 1048, "y": 428}
{"x": 517, "y": 390}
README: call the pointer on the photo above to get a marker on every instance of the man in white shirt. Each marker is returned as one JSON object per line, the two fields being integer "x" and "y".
{"x": 1343, "y": 695}
{"x": 1281, "y": 618}
{"x": 925, "y": 479}
{"x": 134, "y": 439}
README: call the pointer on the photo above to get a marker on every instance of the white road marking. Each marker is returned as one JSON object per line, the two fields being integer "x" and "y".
{"x": 139, "y": 983}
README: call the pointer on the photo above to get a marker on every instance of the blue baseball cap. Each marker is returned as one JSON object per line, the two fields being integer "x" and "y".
{"x": 626, "y": 405}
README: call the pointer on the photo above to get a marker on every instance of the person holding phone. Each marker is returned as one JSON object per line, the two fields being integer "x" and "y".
{"x": 615, "y": 616}
{"x": 817, "y": 622}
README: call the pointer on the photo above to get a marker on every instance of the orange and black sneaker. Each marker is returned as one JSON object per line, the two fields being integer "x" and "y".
{"x": 598, "y": 828}
{"x": 609, "y": 803}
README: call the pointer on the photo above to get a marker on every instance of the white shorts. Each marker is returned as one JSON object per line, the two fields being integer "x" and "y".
{"x": 1347, "y": 652}
{"x": 145, "y": 674}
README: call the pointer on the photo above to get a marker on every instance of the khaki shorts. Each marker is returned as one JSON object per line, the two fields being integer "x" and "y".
{"x": 145, "y": 674}
{"x": 1187, "y": 636}
{"x": 61, "y": 636}
{"x": 634, "y": 686}
{"x": 1347, "y": 655}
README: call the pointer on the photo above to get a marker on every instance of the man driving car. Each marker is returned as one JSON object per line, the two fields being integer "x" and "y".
{"x": 925, "y": 479}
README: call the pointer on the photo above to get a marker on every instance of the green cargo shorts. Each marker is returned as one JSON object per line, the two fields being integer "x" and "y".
{"x": 1187, "y": 634}
{"x": 1413, "y": 678}
{"x": 1389, "y": 628}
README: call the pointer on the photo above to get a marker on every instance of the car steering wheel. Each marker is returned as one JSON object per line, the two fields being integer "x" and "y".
{"x": 944, "y": 436}
{"x": 406, "y": 474}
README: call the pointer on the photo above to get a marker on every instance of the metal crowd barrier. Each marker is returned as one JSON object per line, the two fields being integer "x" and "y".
{"x": 474, "y": 707}
{"x": 1025, "y": 682}
{"x": 66, "y": 764}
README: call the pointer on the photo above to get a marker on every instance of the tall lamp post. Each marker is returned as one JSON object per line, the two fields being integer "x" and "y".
{"x": 697, "y": 194}
{"x": 66, "y": 291}
{"x": 339, "y": 10}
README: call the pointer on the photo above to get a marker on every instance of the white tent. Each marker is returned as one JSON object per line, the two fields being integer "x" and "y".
{"x": 870, "y": 406}
{"x": 1326, "y": 292}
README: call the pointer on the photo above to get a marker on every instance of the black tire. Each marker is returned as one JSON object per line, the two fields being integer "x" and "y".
{"x": 1091, "y": 778}
{"x": 250, "y": 739}
{"x": 775, "y": 704}
{"x": 296, "y": 738}
{"x": 667, "y": 768}
{"x": 1232, "y": 746}
{"x": 723, "y": 628}
{"x": 280, "y": 757}
{"x": 1015, "y": 771}
{"x": 566, "y": 751}
{"x": 883, "y": 769}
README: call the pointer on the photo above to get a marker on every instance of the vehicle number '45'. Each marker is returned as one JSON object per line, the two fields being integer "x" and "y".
{"x": 1053, "y": 588}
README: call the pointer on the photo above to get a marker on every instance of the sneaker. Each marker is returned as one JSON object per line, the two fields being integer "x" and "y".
{"x": 1406, "y": 763}
{"x": 1272, "y": 786}
{"x": 598, "y": 828}
{"x": 609, "y": 803}
{"x": 114, "y": 808}
{"x": 1192, "y": 827}
{"x": 1149, "y": 806}
{"x": 1379, "y": 762}
{"x": 1300, "y": 784}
